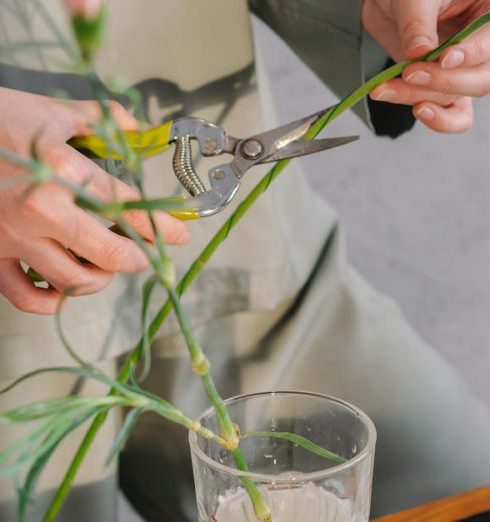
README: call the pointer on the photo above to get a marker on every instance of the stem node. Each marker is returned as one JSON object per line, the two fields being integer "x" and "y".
{"x": 200, "y": 366}
{"x": 232, "y": 442}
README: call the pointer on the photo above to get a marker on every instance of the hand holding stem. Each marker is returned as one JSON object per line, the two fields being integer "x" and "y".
{"x": 441, "y": 91}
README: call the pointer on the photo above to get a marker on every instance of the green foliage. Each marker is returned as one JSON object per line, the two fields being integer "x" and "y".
{"x": 148, "y": 288}
{"x": 300, "y": 441}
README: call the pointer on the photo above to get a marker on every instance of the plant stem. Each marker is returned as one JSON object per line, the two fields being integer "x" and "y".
{"x": 221, "y": 235}
{"x": 200, "y": 366}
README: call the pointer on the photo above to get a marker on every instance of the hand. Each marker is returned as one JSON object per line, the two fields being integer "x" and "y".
{"x": 40, "y": 228}
{"x": 440, "y": 92}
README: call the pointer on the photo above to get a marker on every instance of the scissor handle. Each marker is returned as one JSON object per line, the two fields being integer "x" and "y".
{"x": 212, "y": 140}
{"x": 145, "y": 143}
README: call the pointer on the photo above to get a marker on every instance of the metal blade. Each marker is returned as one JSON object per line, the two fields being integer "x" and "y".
{"x": 303, "y": 148}
{"x": 278, "y": 138}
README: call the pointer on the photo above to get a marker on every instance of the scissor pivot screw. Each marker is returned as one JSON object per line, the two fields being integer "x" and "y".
{"x": 251, "y": 149}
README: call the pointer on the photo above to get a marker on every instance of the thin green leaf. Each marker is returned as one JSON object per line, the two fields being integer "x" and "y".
{"x": 15, "y": 159}
{"x": 86, "y": 371}
{"x": 58, "y": 412}
{"x": 89, "y": 203}
{"x": 148, "y": 288}
{"x": 300, "y": 441}
{"x": 59, "y": 328}
{"x": 53, "y": 440}
{"x": 125, "y": 431}
{"x": 168, "y": 204}
{"x": 40, "y": 409}
{"x": 30, "y": 446}
{"x": 28, "y": 441}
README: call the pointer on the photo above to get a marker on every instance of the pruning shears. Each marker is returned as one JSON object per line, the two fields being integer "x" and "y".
{"x": 283, "y": 142}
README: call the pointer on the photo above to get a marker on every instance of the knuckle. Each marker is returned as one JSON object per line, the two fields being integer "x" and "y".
{"x": 116, "y": 255}
{"x": 415, "y": 26}
{"x": 476, "y": 50}
{"x": 35, "y": 203}
{"x": 55, "y": 157}
{"x": 140, "y": 222}
{"x": 444, "y": 84}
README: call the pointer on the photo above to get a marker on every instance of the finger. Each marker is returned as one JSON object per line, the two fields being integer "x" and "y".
{"x": 465, "y": 81}
{"x": 61, "y": 270}
{"x": 90, "y": 113}
{"x": 472, "y": 51}
{"x": 57, "y": 217}
{"x": 376, "y": 22}
{"x": 456, "y": 118}
{"x": 400, "y": 92}
{"x": 107, "y": 188}
{"x": 77, "y": 169}
{"x": 21, "y": 292}
{"x": 417, "y": 25}
{"x": 93, "y": 241}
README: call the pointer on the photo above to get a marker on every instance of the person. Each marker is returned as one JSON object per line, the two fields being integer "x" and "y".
{"x": 278, "y": 306}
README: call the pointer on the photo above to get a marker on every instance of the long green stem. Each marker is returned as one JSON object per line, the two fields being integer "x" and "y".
{"x": 223, "y": 232}
{"x": 201, "y": 366}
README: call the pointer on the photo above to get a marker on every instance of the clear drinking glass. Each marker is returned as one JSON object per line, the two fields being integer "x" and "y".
{"x": 299, "y": 486}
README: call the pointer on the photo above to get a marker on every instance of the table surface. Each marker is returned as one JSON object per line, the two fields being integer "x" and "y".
{"x": 449, "y": 509}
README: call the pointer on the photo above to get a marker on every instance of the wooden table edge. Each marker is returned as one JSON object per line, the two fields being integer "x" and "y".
{"x": 450, "y": 509}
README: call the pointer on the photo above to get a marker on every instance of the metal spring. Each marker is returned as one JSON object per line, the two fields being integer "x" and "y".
{"x": 183, "y": 168}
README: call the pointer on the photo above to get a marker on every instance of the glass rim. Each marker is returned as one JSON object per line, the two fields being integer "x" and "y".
{"x": 293, "y": 476}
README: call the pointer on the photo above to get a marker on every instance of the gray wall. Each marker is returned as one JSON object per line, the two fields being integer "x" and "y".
{"x": 416, "y": 213}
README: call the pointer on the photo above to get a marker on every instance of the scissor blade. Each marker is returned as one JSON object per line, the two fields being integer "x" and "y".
{"x": 303, "y": 148}
{"x": 278, "y": 138}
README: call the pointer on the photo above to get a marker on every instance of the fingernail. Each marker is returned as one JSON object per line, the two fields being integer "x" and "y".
{"x": 425, "y": 113}
{"x": 418, "y": 78}
{"x": 453, "y": 59}
{"x": 383, "y": 94}
{"x": 418, "y": 41}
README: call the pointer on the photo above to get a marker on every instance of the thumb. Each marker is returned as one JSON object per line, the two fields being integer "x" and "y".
{"x": 417, "y": 25}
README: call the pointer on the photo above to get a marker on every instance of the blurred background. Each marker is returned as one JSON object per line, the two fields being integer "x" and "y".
{"x": 415, "y": 212}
